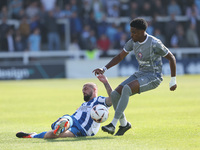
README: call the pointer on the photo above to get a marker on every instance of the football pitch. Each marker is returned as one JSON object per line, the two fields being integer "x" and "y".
{"x": 161, "y": 119}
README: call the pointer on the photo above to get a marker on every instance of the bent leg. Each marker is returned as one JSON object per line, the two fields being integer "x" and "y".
{"x": 128, "y": 90}
{"x": 118, "y": 92}
{"x": 67, "y": 127}
{"x": 115, "y": 96}
{"x": 67, "y": 134}
{"x": 143, "y": 83}
{"x": 51, "y": 135}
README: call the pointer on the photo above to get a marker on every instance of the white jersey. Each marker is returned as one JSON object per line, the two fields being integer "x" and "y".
{"x": 82, "y": 115}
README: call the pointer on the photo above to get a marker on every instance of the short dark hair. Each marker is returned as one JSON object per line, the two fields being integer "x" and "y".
{"x": 139, "y": 23}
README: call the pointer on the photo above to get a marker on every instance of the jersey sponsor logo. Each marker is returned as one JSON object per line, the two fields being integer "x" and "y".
{"x": 140, "y": 55}
{"x": 85, "y": 108}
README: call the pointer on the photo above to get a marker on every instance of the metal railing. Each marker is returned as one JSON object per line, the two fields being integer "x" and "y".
{"x": 25, "y": 56}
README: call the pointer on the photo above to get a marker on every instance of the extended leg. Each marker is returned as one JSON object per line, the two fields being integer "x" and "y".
{"x": 60, "y": 130}
{"x": 115, "y": 96}
{"x": 129, "y": 89}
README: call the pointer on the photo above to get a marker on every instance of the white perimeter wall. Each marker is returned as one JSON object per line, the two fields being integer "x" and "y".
{"x": 84, "y": 68}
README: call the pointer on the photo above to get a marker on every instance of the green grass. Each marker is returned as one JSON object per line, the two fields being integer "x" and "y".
{"x": 161, "y": 120}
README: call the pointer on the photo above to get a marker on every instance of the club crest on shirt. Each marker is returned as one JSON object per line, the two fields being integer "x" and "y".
{"x": 140, "y": 55}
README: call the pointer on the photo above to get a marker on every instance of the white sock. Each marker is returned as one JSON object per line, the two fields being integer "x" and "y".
{"x": 123, "y": 122}
{"x": 114, "y": 121}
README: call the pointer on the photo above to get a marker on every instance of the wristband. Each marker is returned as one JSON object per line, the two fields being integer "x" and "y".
{"x": 172, "y": 82}
{"x": 104, "y": 68}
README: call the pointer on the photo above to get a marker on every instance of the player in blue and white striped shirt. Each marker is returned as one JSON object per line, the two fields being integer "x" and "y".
{"x": 80, "y": 123}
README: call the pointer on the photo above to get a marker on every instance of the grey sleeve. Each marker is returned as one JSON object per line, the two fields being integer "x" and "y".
{"x": 161, "y": 49}
{"x": 128, "y": 46}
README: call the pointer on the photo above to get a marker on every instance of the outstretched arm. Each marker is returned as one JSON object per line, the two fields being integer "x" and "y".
{"x": 118, "y": 58}
{"x": 172, "y": 63}
{"x": 104, "y": 80}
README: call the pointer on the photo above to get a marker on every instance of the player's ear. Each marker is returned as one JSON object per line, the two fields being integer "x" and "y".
{"x": 95, "y": 90}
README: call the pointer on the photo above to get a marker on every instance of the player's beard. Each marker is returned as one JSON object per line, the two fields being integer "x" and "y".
{"x": 87, "y": 97}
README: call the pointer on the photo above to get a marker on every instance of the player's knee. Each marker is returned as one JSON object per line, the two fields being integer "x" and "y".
{"x": 114, "y": 95}
{"x": 50, "y": 135}
{"x": 126, "y": 89}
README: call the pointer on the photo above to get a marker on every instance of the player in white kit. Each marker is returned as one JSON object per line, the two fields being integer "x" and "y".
{"x": 148, "y": 51}
{"x": 80, "y": 123}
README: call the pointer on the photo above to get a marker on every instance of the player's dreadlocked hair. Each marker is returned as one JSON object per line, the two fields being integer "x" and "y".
{"x": 139, "y": 23}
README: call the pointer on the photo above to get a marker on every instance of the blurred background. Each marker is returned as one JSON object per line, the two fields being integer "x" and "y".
{"x": 70, "y": 38}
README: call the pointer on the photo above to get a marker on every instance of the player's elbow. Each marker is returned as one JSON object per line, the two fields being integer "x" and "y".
{"x": 108, "y": 101}
{"x": 171, "y": 57}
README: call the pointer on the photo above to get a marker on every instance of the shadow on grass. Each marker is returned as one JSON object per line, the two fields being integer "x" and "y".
{"x": 77, "y": 139}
